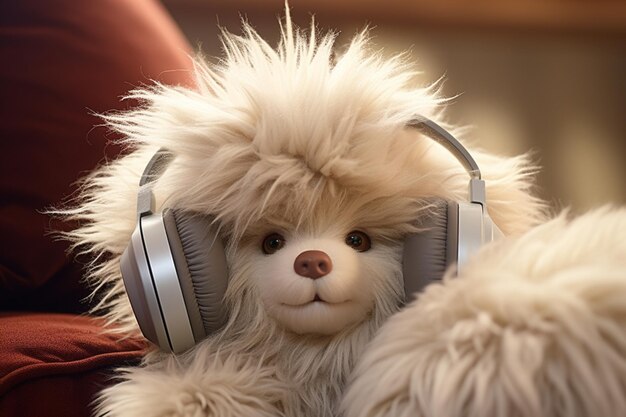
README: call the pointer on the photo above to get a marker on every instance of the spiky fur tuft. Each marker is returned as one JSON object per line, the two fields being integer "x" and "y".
{"x": 287, "y": 138}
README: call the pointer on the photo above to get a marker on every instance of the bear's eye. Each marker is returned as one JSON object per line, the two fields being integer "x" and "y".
{"x": 358, "y": 240}
{"x": 272, "y": 243}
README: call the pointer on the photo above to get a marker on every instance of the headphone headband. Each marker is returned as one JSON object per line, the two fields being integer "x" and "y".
{"x": 162, "y": 158}
{"x": 444, "y": 138}
{"x": 156, "y": 166}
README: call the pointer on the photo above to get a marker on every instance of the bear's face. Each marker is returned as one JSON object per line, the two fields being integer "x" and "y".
{"x": 324, "y": 283}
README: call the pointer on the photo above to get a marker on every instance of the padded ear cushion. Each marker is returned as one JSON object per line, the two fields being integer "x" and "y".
{"x": 201, "y": 266}
{"x": 426, "y": 254}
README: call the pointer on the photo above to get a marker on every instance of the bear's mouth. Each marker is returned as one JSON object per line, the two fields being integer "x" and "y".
{"x": 316, "y": 299}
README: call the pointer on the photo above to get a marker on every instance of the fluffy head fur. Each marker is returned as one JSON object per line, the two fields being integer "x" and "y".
{"x": 295, "y": 141}
{"x": 535, "y": 327}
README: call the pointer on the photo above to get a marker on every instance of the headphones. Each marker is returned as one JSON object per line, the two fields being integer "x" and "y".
{"x": 175, "y": 272}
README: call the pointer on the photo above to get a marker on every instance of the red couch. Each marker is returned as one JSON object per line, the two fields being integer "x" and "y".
{"x": 63, "y": 61}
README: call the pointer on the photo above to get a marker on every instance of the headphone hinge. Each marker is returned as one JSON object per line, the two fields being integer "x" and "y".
{"x": 477, "y": 191}
{"x": 145, "y": 201}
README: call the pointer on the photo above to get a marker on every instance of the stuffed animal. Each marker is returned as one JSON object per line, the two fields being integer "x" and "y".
{"x": 535, "y": 326}
{"x": 301, "y": 163}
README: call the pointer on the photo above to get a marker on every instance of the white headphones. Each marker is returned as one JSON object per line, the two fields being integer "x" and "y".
{"x": 175, "y": 272}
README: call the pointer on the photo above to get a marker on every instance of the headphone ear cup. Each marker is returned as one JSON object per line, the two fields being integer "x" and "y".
{"x": 200, "y": 262}
{"x": 426, "y": 254}
{"x": 491, "y": 230}
{"x": 141, "y": 291}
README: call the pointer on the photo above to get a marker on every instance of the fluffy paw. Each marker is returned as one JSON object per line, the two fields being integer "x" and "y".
{"x": 202, "y": 389}
{"x": 533, "y": 328}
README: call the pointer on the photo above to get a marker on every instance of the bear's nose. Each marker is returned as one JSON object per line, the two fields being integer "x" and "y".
{"x": 313, "y": 264}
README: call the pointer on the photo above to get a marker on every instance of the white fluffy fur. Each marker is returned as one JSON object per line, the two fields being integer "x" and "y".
{"x": 288, "y": 140}
{"x": 535, "y": 327}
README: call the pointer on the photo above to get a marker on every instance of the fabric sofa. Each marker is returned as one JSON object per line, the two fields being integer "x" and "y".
{"x": 63, "y": 61}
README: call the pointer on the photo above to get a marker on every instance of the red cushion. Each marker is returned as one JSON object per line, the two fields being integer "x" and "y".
{"x": 36, "y": 345}
{"x": 62, "y": 60}
{"x": 63, "y": 358}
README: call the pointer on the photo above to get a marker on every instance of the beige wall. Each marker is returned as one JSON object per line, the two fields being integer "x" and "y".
{"x": 558, "y": 93}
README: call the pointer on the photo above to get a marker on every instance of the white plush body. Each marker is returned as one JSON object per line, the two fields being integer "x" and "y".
{"x": 294, "y": 141}
{"x": 534, "y": 327}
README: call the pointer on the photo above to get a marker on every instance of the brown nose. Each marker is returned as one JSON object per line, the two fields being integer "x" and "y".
{"x": 313, "y": 264}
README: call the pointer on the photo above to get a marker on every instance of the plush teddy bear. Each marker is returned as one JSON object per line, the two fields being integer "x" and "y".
{"x": 534, "y": 326}
{"x": 302, "y": 159}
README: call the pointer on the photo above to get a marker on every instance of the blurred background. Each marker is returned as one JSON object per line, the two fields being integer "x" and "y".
{"x": 547, "y": 76}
